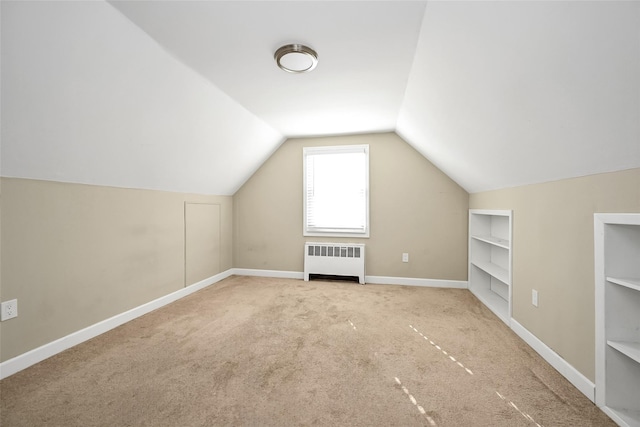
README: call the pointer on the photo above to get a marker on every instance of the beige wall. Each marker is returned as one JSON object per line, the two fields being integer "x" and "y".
{"x": 414, "y": 208}
{"x": 202, "y": 241}
{"x": 74, "y": 255}
{"x": 553, "y": 253}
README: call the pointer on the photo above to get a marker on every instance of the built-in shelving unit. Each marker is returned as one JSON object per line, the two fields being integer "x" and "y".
{"x": 490, "y": 259}
{"x": 617, "y": 279}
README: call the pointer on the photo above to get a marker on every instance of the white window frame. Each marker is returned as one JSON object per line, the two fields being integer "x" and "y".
{"x": 332, "y": 232}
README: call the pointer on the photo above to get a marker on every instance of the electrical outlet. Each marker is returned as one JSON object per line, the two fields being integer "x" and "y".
{"x": 9, "y": 309}
{"x": 405, "y": 257}
{"x": 534, "y": 297}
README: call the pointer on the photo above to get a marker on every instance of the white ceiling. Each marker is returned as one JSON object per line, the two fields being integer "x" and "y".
{"x": 504, "y": 94}
{"x": 186, "y": 96}
{"x": 365, "y": 51}
{"x": 500, "y": 93}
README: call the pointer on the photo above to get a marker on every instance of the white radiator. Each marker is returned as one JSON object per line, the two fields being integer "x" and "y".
{"x": 339, "y": 259}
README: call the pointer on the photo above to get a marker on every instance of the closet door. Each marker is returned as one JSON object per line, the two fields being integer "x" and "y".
{"x": 202, "y": 241}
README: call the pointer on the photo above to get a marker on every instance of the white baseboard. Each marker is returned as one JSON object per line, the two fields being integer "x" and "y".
{"x": 410, "y": 281}
{"x": 41, "y": 353}
{"x": 581, "y": 382}
{"x": 268, "y": 273}
{"x": 376, "y": 280}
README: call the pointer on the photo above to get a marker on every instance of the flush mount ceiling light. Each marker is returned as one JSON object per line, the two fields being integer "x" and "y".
{"x": 296, "y": 58}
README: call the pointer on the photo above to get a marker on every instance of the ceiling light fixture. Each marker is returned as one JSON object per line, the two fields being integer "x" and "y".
{"x": 296, "y": 58}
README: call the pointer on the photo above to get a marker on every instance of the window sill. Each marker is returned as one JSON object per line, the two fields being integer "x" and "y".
{"x": 334, "y": 234}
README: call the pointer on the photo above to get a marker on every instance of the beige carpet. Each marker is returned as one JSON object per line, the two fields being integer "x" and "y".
{"x": 276, "y": 352}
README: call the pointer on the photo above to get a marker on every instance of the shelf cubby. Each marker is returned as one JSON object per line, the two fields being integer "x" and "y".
{"x": 617, "y": 279}
{"x": 490, "y": 235}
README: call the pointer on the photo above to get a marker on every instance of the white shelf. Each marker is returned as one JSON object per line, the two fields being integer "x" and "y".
{"x": 628, "y": 282}
{"x": 617, "y": 292}
{"x": 490, "y": 240}
{"x": 496, "y": 241}
{"x": 494, "y": 302}
{"x": 494, "y": 270}
{"x": 629, "y": 349}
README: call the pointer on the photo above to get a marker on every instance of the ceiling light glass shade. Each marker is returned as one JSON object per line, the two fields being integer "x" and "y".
{"x": 296, "y": 58}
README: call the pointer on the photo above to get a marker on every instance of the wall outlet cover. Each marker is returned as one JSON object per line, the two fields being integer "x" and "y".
{"x": 405, "y": 257}
{"x": 9, "y": 309}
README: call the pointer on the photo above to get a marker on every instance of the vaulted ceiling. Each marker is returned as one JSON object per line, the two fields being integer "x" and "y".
{"x": 186, "y": 96}
{"x": 366, "y": 50}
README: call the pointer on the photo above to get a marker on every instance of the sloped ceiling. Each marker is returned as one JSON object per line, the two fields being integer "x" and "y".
{"x": 365, "y": 48}
{"x": 503, "y": 94}
{"x": 88, "y": 97}
{"x": 496, "y": 94}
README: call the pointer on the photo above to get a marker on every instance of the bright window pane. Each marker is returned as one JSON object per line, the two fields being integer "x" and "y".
{"x": 336, "y": 190}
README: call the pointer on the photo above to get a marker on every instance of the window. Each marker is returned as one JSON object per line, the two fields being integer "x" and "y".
{"x": 336, "y": 191}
